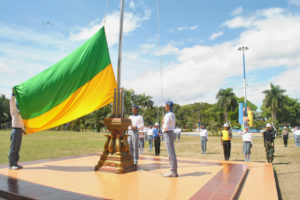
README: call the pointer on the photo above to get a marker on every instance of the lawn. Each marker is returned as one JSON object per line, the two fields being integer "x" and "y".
{"x": 54, "y": 144}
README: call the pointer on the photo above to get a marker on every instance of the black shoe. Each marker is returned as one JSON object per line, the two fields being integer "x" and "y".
{"x": 19, "y": 166}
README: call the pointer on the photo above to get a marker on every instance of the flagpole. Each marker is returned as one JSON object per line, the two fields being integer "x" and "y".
{"x": 119, "y": 102}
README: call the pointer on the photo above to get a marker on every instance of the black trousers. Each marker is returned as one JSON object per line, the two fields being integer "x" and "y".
{"x": 285, "y": 140}
{"x": 227, "y": 149}
{"x": 157, "y": 145}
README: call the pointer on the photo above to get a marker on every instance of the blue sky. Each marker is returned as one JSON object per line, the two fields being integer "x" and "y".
{"x": 199, "y": 41}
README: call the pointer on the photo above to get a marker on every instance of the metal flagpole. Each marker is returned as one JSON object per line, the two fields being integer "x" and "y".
{"x": 119, "y": 103}
{"x": 243, "y": 49}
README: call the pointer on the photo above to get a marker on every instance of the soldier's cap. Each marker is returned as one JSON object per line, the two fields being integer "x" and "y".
{"x": 170, "y": 104}
{"x": 156, "y": 124}
{"x": 135, "y": 106}
{"x": 268, "y": 125}
{"x": 226, "y": 125}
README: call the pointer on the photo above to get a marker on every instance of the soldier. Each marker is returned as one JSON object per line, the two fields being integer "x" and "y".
{"x": 269, "y": 136}
{"x": 226, "y": 141}
{"x": 170, "y": 136}
{"x": 137, "y": 124}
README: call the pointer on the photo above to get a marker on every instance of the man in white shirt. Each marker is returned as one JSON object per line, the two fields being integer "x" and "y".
{"x": 137, "y": 124}
{"x": 16, "y": 134}
{"x": 170, "y": 136}
{"x": 296, "y": 132}
{"x": 247, "y": 143}
{"x": 204, "y": 138}
{"x": 150, "y": 137}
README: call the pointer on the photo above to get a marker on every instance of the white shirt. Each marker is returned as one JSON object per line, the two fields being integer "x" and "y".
{"x": 150, "y": 131}
{"x": 169, "y": 122}
{"x": 246, "y": 136}
{"x": 137, "y": 121}
{"x": 296, "y": 132}
{"x": 16, "y": 119}
{"x": 203, "y": 132}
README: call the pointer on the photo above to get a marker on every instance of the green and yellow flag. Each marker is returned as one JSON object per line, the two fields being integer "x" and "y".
{"x": 79, "y": 84}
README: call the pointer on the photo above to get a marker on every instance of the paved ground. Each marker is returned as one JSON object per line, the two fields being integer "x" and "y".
{"x": 74, "y": 178}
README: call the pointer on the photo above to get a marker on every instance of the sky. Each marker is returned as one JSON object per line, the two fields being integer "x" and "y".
{"x": 188, "y": 60}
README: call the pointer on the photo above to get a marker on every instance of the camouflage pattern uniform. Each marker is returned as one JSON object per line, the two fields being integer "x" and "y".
{"x": 269, "y": 136}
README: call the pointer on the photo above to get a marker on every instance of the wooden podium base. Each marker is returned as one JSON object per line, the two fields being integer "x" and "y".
{"x": 116, "y": 157}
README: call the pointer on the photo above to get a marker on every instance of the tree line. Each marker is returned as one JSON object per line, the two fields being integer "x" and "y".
{"x": 277, "y": 108}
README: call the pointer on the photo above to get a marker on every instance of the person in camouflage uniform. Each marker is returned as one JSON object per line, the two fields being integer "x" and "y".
{"x": 269, "y": 136}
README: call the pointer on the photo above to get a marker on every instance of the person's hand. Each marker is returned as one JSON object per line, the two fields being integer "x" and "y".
{"x": 24, "y": 132}
{"x": 133, "y": 127}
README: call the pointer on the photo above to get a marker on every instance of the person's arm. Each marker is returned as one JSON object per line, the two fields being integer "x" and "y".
{"x": 221, "y": 137}
{"x": 140, "y": 125}
{"x": 165, "y": 125}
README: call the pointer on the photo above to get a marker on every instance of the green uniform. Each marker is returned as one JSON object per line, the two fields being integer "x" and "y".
{"x": 269, "y": 136}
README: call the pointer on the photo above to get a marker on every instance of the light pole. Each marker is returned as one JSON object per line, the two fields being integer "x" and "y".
{"x": 243, "y": 49}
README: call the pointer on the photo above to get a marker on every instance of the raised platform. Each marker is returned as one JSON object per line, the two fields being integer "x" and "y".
{"x": 75, "y": 178}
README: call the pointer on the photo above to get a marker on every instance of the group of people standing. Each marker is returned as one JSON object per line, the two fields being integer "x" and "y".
{"x": 136, "y": 137}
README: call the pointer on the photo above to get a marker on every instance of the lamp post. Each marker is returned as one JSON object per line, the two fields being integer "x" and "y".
{"x": 243, "y": 49}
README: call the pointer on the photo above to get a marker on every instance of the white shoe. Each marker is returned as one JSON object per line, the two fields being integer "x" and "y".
{"x": 14, "y": 167}
{"x": 170, "y": 174}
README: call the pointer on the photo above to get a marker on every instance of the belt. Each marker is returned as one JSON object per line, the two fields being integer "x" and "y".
{"x": 247, "y": 141}
{"x": 16, "y": 128}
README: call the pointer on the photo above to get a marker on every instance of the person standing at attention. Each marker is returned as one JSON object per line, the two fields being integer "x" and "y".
{"x": 269, "y": 136}
{"x": 170, "y": 136}
{"x": 156, "y": 135}
{"x": 296, "y": 132}
{"x": 204, "y": 138}
{"x": 137, "y": 124}
{"x": 226, "y": 141}
{"x": 247, "y": 143}
{"x": 16, "y": 134}
{"x": 150, "y": 137}
{"x": 285, "y": 136}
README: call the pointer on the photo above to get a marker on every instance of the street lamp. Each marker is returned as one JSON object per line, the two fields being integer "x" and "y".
{"x": 243, "y": 49}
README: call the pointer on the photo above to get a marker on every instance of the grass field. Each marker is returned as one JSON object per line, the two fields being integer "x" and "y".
{"x": 54, "y": 144}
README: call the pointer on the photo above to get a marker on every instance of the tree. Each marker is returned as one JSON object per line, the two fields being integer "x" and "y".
{"x": 274, "y": 99}
{"x": 5, "y": 117}
{"x": 227, "y": 100}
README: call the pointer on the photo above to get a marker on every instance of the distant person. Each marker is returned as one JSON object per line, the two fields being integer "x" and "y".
{"x": 204, "y": 138}
{"x": 142, "y": 134}
{"x": 156, "y": 136}
{"x": 150, "y": 137}
{"x": 269, "y": 137}
{"x": 16, "y": 134}
{"x": 296, "y": 133}
{"x": 285, "y": 136}
{"x": 170, "y": 136}
{"x": 178, "y": 133}
{"x": 137, "y": 123}
{"x": 226, "y": 136}
{"x": 247, "y": 143}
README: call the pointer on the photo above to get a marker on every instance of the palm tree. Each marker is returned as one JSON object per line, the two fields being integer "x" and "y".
{"x": 227, "y": 100}
{"x": 274, "y": 99}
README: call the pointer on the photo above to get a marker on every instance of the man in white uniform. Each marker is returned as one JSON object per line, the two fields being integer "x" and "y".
{"x": 204, "y": 138}
{"x": 170, "y": 136}
{"x": 137, "y": 124}
{"x": 16, "y": 134}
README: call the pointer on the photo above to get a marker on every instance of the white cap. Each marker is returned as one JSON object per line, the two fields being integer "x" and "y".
{"x": 268, "y": 125}
{"x": 226, "y": 125}
{"x": 284, "y": 127}
{"x": 156, "y": 124}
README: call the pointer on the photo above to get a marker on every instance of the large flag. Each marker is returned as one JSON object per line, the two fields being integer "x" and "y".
{"x": 79, "y": 84}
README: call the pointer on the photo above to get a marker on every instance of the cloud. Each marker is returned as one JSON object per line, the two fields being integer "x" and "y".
{"x": 169, "y": 49}
{"x": 239, "y": 10}
{"x": 131, "y": 22}
{"x": 294, "y": 2}
{"x": 216, "y": 35}
{"x": 199, "y": 71}
{"x": 183, "y": 28}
